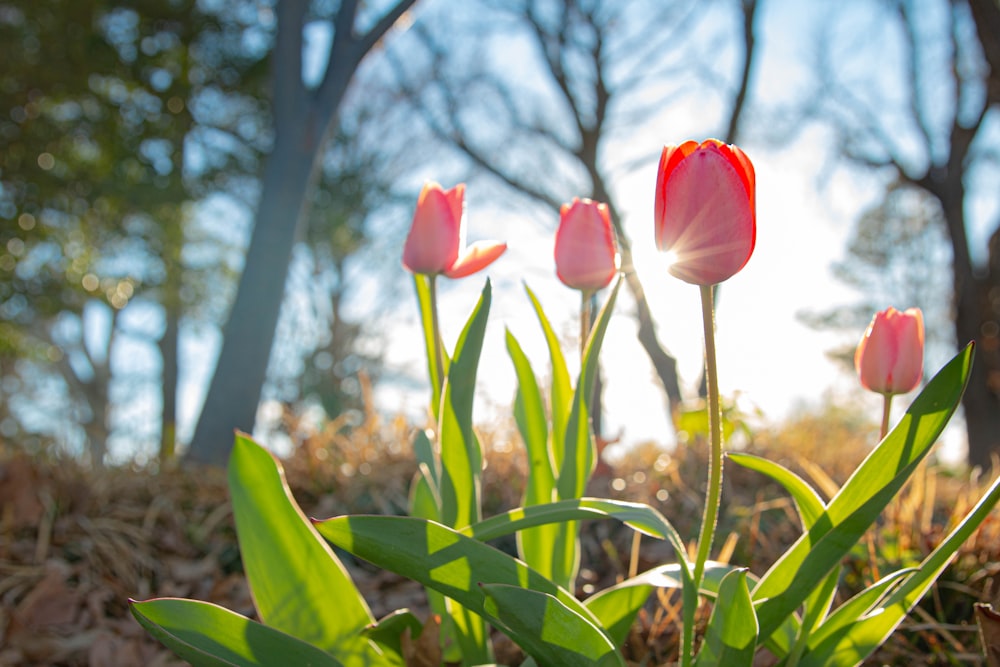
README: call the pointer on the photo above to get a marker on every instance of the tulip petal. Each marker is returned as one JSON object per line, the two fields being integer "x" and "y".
{"x": 671, "y": 157}
{"x": 476, "y": 257}
{"x": 585, "y": 253}
{"x": 890, "y": 356}
{"x": 707, "y": 216}
{"x": 433, "y": 243}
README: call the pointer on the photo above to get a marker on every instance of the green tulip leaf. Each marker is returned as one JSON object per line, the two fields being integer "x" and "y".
{"x": 579, "y": 455}
{"x": 535, "y": 545}
{"x": 854, "y": 609}
{"x": 438, "y": 557}
{"x": 549, "y": 631}
{"x": 731, "y": 635}
{"x": 293, "y": 574}
{"x": 637, "y": 516}
{"x": 462, "y": 461}
{"x": 792, "y": 579}
{"x": 461, "y": 453}
{"x": 810, "y": 508}
{"x": 616, "y": 607}
{"x": 206, "y": 635}
{"x": 808, "y": 502}
{"x": 389, "y": 630}
{"x": 562, "y": 389}
{"x": 850, "y": 644}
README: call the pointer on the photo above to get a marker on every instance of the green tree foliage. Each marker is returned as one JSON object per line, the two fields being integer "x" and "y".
{"x": 109, "y": 134}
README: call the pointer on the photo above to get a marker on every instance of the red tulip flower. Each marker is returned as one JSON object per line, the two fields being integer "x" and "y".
{"x": 586, "y": 257}
{"x": 705, "y": 213}
{"x": 890, "y": 357}
{"x": 436, "y": 242}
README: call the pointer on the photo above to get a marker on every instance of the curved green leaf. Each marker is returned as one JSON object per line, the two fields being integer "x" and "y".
{"x": 299, "y": 586}
{"x": 549, "y": 631}
{"x": 861, "y": 499}
{"x": 207, "y": 635}
{"x": 810, "y": 507}
{"x": 461, "y": 453}
{"x": 389, "y": 630}
{"x": 851, "y": 644}
{"x": 437, "y": 557}
{"x": 562, "y": 390}
{"x": 808, "y": 502}
{"x": 462, "y": 460}
{"x": 731, "y": 635}
{"x": 637, "y": 516}
{"x": 534, "y": 545}
{"x": 849, "y": 612}
{"x": 616, "y": 607}
{"x": 579, "y": 455}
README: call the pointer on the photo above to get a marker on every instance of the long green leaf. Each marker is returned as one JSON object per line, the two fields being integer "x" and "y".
{"x": 810, "y": 507}
{"x": 851, "y": 644}
{"x": 562, "y": 390}
{"x": 461, "y": 454}
{"x": 549, "y": 631}
{"x": 854, "y": 609}
{"x": 807, "y": 500}
{"x": 616, "y": 607}
{"x": 637, "y": 516}
{"x": 862, "y": 498}
{"x": 462, "y": 461}
{"x": 206, "y": 635}
{"x": 299, "y": 586}
{"x": 437, "y": 557}
{"x": 731, "y": 635}
{"x": 562, "y": 562}
{"x": 579, "y": 455}
{"x": 579, "y": 450}
{"x": 534, "y": 545}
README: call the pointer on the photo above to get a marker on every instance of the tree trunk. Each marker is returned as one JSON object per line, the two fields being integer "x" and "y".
{"x": 233, "y": 395}
{"x": 302, "y": 120}
{"x": 977, "y": 299}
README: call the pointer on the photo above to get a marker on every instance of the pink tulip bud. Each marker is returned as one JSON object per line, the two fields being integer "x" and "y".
{"x": 586, "y": 258}
{"x": 705, "y": 212}
{"x": 436, "y": 242}
{"x": 890, "y": 357}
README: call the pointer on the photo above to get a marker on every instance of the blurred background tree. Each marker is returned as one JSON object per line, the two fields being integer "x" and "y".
{"x": 928, "y": 131}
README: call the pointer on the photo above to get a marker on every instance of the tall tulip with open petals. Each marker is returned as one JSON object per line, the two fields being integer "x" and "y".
{"x": 890, "y": 357}
{"x": 705, "y": 210}
{"x": 705, "y": 217}
{"x": 436, "y": 242}
{"x": 586, "y": 258}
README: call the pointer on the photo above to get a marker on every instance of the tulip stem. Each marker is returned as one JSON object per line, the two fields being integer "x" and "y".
{"x": 713, "y": 495}
{"x": 585, "y": 316}
{"x": 886, "y": 411}
{"x": 435, "y": 325}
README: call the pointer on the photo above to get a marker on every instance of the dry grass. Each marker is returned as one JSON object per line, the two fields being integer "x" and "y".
{"x": 75, "y": 543}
